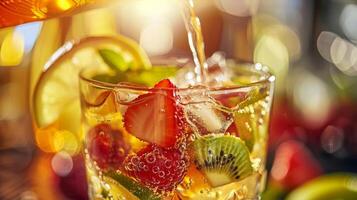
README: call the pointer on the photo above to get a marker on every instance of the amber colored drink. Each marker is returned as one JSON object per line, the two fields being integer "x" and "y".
{"x": 160, "y": 141}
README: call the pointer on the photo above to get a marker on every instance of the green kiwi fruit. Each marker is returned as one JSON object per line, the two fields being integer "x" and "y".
{"x": 222, "y": 158}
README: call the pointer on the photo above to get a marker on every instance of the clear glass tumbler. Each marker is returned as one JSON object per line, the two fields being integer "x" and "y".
{"x": 167, "y": 142}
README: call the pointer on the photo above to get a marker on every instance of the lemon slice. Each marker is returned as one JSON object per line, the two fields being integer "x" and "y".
{"x": 56, "y": 96}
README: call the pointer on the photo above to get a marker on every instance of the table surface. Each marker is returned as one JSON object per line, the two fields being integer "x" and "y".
{"x": 27, "y": 175}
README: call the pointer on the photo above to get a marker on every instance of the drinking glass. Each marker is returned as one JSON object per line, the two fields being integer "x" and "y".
{"x": 168, "y": 142}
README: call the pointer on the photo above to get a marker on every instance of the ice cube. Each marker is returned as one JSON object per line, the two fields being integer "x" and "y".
{"x": 185, "y": 77}
{"x": 203, "y": 114}
{"x": 217, "y": 73}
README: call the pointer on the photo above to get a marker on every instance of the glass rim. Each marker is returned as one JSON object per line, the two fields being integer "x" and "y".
{"x": 263, "y": 70}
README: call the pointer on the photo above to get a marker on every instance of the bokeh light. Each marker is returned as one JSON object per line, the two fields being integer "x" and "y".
{"x": 348, "y": 19}
{"x": 268, "y": 25}
{"x": 66, "y": 141}
{"x": 151, "y": 22}
{"x": 44, "y": 139}
{"x": 324, "y": 42}
{"x": 62, "y": 163}
{"x": 338, "y": 51}
{"x": 12, "y": 49}
{"x": 332, "y": 139}
{"x": 272, "y": 52}
{"x": 52, "y": 140}
{"x": 157, "y": 38}
{"x": 311, "y": 97}
{"x": 238, "y": 8}
{"x": 276, "y": 45}
{"x": 344, "y": 56}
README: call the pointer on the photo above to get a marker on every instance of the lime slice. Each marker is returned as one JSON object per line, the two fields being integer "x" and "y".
{"x": 246, "y": 119}
{"x": 117, "y": 191}
{"x": 58, "y": 85}
{"x": 135, "y": 188}
{"x": 114, "y": 60}
{"x": 332, "y": 187}
{"x": 254, "y": 96}
{"x": 143, "y": 77}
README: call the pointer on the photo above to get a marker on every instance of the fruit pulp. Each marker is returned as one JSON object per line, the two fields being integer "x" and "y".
{"x": 165, "y": 143}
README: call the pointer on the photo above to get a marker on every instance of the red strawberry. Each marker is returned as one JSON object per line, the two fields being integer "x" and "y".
{"x": 159, "y": 168}
{"x": 294, "y": 165}
{"x": 152, "y": 116}
{"x": 106, "y": 146}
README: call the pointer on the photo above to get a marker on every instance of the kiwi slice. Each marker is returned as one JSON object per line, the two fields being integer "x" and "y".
{"x": 222, "y": 158}
{"x": 128, "y": 186}
{"x": 255, "y": 95}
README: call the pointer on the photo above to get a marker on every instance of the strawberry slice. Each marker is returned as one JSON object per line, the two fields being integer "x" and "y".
{"x": 161, "y": 169}
{"x": 151, "y": 117}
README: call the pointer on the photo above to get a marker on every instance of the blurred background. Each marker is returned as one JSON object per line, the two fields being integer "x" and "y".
{"x": 309, "y": 45}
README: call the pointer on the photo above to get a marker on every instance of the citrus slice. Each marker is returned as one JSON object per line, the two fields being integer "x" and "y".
{"x": 117, "y": 191}
{"x": 56, "y": 95}
{"x": 131, "y": 186}
{"x": 333, "y": 186}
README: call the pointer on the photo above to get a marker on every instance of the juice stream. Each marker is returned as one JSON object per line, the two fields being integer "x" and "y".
{"x": 195, "y": 40}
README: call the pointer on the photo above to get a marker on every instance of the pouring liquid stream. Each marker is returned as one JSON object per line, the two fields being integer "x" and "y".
{"x": 195, "y": 39}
